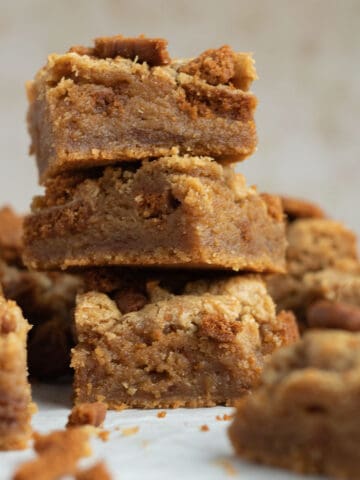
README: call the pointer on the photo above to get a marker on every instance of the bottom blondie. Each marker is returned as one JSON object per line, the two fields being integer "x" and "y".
{"x": 162, "y": 344}
{"x": 16, "y": 407}
{"x": 304, "y": 416}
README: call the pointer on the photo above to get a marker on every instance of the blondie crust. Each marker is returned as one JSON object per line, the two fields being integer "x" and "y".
{"x": 125, "y": 99}
{"x": 169, "y": 212}
{"x": 16, "y": 407}
{"x": 168, "y": 343}
{"x": 304, "y": 416}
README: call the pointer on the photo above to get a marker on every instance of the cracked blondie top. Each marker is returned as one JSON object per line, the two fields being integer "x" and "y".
{"x": 16, "y": 407}
{"x": 169, "y": 212}
{"x": 172, "y": 341}
{"x": 304, "y": 416}
{"x": 125, "y": 99}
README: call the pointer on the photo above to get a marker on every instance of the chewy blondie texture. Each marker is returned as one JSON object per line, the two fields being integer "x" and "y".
{"x": 162, "y": 343}
{"x": 16, "y": 407}
{"x": 125, "y": 99}
{"x": 173, "y": 211}
{"x": 304, "y": 416}
{"x": 322, "y": 261}
{"x": 46, "y": 300}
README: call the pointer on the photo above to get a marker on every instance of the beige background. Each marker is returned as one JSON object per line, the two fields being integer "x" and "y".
{"x": 308, "y": 60}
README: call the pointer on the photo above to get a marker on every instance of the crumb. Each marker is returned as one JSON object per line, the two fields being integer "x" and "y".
{"x": 103, "y": 435}
{"x": 227, "y": 466}
{"x": 127, "y": 432}
{"x": 145, "y": 443}
{"x": 58, "y": 453}
{"x": 96, "y": 472}
{"x": 162, "y": 414}
{"x": 204, "y": 428}
{"x": 87, "y": 414}
{"x": 224, "y": 417}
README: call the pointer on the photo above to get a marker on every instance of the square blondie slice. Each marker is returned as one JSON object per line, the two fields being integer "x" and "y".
{"x": 304, "y": 416}
{"x": 16, "y": 407}
{"x": 170, "y": 212}
{"x": 125, "y": 99}
{"x": 168, "y": 342}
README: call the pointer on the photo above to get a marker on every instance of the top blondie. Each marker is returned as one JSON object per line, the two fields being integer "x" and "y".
{"x": 125, "y": 99}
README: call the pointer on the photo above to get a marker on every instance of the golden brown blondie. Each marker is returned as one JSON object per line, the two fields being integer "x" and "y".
{"x": 46, "y": 300}
{"x": 170, "y": 342}
{"x": 125, "y": 99}
{"x": 16, "y": 407}
{"x": 304, "y": 416}
{"x": 169, "y": 212}
{"x": 322, "y": 262}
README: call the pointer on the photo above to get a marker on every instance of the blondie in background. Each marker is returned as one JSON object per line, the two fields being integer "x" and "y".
{"x": 307, "y": 56}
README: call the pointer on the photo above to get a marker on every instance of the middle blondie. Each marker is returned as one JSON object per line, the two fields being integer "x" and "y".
{"x": 173, "y": 211}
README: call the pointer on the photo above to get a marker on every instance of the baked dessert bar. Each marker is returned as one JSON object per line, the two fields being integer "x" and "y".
{"x": 47, "y": 301}
{"x": 16, "y": 407}
{"x": 125, "y": 99}
{"x": 315, "y": 244}
{"x": 322, "y": 261}
{"x": 304, "y": 416}
{"x": 168, "y": 342}
{"x": 173, "y": 211}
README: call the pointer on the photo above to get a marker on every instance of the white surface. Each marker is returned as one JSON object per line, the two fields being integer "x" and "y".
{"x": 170, "y": 448}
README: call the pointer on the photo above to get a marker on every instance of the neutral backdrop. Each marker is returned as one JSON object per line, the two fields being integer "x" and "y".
{"x": 307, "y": 55}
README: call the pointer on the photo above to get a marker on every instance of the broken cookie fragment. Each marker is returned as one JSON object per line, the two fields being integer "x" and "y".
{"x": 296, "y": 208}
{"x": 222, "y": 66}
{"x": 153, "y": 51}
{"x": 327, "y": 314}
{"x": 87, "y": 414}
{"x": 58, "y": 454}
{"x": 96, "y": 472}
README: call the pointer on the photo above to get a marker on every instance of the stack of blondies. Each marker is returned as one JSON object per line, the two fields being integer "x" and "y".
{"x": 136, "y": 153}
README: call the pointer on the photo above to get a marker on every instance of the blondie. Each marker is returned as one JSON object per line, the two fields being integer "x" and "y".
{"x": 46, "y": 300}
{"x": 169, "y": 212}
{"x": 322, "y": 261}
{"x": 125, "y": 99}
{"x": 304, "y": 416}
{"x": 16, "y": 407}
{"x": 169, "y": 342}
